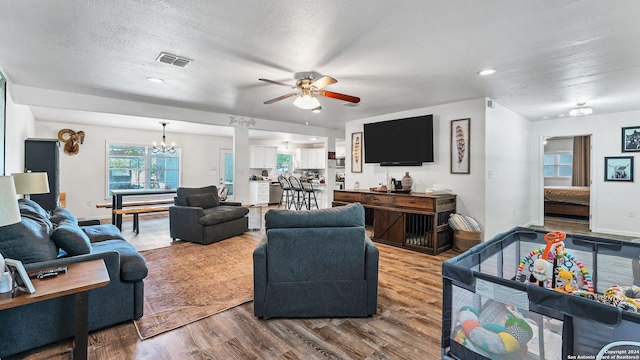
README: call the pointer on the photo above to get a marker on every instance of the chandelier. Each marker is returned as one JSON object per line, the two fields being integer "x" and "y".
{"x": 163, "y": 148}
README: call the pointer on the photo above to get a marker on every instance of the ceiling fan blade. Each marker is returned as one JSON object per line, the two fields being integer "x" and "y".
{"x": 323, "y": 82}
{"x": 335, "y": 95}
{"x": 278, "y": 83}
{"x": 280, "y": 98}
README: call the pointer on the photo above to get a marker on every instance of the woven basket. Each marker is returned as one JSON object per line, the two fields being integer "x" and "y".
{"x": 465, "y": 240}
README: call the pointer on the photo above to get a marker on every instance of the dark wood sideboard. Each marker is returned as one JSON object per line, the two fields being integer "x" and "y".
{"x": 414, "y": 221}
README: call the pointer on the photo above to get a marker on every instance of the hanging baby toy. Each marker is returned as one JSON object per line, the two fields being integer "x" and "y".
{"x": 554, "y": 268}
{"x": 542, "y": 268}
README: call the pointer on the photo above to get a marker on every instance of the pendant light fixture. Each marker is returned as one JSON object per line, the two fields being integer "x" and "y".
{"x": 163, "y": 148}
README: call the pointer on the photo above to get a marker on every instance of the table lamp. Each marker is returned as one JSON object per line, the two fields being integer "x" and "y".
{"x": 31, "y": 183}
{"x": 9, "y": 214}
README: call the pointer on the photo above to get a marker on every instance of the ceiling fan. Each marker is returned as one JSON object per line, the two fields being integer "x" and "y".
{"x": 306, "y": 90}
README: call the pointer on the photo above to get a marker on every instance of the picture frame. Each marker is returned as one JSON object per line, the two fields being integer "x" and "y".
{"x": 461, "y": 146}
{"x": 631, "y": 139}
{"x": 618, "y": 168}
{"x": 19, "y": 276}
{"x": 356, "y": 152}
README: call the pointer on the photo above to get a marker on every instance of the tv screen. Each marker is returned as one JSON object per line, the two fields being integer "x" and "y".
{"x": 407, "y": 142}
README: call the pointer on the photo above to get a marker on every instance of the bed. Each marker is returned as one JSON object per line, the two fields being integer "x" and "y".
{"x": 566, "y": 200}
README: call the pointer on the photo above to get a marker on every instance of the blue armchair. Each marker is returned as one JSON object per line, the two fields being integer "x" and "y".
{"x": 316, "y": 263}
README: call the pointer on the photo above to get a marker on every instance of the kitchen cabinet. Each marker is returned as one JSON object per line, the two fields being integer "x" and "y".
{"x": 310, "y": 159}
{"x": 259, "y": 192}
{"x": 262, "y": 157}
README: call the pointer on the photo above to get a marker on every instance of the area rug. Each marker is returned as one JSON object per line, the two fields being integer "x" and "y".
{"x": 188, "y": 282}
{"x": 567, "y": 219}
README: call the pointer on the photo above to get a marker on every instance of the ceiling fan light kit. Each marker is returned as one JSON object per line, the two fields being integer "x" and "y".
{"x": 306, "y": 101}
{"x": 307, "y": 92}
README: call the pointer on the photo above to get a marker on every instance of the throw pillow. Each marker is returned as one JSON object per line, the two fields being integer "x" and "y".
{"x": 70, "y": 238}
{"x": 60, "y": 214}
{"x": 27, "y": 241}
{"x": 205, "y": 201}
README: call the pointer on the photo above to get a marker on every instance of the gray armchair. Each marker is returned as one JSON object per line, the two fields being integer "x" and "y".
{"x": 199, "y": 216}
{"x": 317, "y": 263}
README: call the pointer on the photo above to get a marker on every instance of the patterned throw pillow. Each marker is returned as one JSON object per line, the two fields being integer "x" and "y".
{"x": 464, "y": 223}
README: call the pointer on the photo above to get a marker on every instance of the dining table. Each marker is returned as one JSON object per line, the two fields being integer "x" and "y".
{"x": 118, "y": 195}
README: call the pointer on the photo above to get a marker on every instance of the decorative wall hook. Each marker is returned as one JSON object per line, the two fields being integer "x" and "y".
{"x": 72, "y": 140}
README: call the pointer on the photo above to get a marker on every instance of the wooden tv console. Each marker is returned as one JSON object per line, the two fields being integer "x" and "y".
{"x": 414, "y": 221}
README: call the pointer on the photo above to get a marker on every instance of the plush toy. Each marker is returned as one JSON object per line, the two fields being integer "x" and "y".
{"x": 564, "y": 278}
{"x": 503, "y": 341}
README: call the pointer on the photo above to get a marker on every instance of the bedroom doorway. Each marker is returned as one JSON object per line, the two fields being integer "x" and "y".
{"x": 567, "y": 174}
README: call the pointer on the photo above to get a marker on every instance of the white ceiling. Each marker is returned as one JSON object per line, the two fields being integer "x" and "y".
{"x": 395, "y": 56}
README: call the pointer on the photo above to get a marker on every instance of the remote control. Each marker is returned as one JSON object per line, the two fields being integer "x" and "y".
{"x": 58, "y": 270}
{"x": 47, "y": 275}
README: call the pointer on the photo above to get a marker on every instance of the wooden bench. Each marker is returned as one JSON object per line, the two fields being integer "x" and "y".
{"x": 137, "y": 211}
{"x": 137, "y": 203}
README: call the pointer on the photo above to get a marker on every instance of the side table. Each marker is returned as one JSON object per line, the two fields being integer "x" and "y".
{"x": 79, "y": 279}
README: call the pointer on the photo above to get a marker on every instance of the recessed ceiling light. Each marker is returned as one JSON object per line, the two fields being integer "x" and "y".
{"x": 313, "y": 138}
{"x": 155, "y": 80}
{"x": 486, "y": 72}
{"x": 306, "y": 123}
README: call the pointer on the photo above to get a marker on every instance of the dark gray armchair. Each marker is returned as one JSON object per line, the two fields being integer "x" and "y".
{"x": 317, "y": 263}
{"x": 199, "y": 216}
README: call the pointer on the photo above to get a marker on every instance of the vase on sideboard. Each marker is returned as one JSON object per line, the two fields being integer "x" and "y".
{"x": 407, "y": 181}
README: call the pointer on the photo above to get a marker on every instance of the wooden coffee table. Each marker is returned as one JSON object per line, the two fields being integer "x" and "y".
{"x": 79, "y": 279}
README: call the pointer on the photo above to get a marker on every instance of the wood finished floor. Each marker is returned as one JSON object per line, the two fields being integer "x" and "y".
{"x": 407, "y": 325}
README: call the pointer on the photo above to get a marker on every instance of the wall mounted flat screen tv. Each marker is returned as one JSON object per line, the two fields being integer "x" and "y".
{"x": 401, "y": 142}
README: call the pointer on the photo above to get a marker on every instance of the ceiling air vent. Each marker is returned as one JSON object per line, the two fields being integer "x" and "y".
{"x": 173, "y": 59}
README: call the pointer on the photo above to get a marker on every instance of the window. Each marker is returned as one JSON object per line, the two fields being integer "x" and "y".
{"x": 558, "y": 165}
{"x": 283, "y": 164}
{"x": 137, "y": 167}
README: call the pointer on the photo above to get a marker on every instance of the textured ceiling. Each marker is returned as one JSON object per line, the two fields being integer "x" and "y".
{"x": 394, "y": 55}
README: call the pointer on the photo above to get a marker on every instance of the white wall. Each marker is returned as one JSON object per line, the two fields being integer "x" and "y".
{"x": 19, "y": 126}
{"x": 611, "y": 202}
{"x": 508, "y": 178}
{"x": 83, "y": 176}
{"x": 469, "y": 188}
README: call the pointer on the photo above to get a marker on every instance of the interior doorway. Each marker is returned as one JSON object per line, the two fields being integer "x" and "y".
{"x": 226, "y": 171}
{"x": 567, "y": 169}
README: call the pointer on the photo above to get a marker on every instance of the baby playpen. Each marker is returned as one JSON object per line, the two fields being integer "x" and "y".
{"x": 531, "y": 294}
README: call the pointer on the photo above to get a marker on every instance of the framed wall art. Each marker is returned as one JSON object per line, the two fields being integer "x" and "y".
{"x": 618, "y": 168}
{"x": 460, "y": 146}
{"x": 356, "y": 152}
{"x": 631, "y": 139}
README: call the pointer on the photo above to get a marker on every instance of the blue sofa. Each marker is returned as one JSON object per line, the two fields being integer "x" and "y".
{"x": 317, "y": 263}
{"x": 43, "y": 240}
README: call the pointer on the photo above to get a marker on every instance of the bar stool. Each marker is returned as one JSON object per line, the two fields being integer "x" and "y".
{"x": 298, "y": 193}
{"x": 286, "y": 192}
{"x": 310, "y": 191}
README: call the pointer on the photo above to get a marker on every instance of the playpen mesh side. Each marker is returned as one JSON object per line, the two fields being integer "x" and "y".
{"x": 546, "y": 333}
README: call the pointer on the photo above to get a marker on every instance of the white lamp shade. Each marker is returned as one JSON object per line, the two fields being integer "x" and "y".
{"x": 306, "y": 102}
{"x": 9, "y": 212}
{"x": 31, "y": 183}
